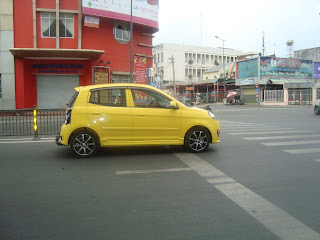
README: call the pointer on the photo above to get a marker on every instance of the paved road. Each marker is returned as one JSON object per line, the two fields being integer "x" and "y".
{"x": 261, "y": 182}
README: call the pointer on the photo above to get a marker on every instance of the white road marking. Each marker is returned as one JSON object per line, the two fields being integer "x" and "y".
{"x": 37, "y": 141}
{"x": 255, "y": 129}
{"x": 281, "y": 137}
{"x": 271, "y": 132}
{"x": 23, "y": 139}
{"x": 153, "y": 171}
{"x": 246, "y": 127}
{"x": 273, "y": 144}
{"x": 276, "y": 220}
{"x": 306, "y": 150}
{"x": 317, "y": 160}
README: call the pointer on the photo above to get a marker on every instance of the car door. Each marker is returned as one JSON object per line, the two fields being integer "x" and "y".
{"x": 153, "y": 122}
{"x": 109, "y": 115}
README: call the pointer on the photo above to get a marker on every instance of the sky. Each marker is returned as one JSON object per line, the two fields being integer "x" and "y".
{"x": 241, "y": 23}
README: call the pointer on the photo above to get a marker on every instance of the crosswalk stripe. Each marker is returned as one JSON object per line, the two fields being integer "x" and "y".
{"x": 247, "y": 127}
{"x": 255, "y": 129}
{"x": 280, "y": 137}
{"x": 303, "y": 150}
{"x": 273, "y": 144}
{"x": 255, "y": 133}
{"x": 276, "y": 220}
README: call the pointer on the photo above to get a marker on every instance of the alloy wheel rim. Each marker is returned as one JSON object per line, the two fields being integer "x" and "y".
{"x": 84, "y": 144}
{"x": 198, "y": 141}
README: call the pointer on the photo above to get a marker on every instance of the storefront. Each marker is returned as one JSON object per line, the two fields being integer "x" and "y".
{"x": 274, "y": 80}
{"x": 58, "y": 47}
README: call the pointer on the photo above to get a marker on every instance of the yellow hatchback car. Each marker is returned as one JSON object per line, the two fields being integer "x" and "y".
{"x": 111, "y": 115}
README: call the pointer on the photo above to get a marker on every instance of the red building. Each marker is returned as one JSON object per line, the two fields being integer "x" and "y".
{"x": 62, "y": 44}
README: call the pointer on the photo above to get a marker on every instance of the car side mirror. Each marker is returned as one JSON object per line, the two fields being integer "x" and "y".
{"x": 173, "y": 105}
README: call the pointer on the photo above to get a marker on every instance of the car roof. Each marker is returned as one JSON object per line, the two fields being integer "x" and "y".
{"x": 89, "y": 87}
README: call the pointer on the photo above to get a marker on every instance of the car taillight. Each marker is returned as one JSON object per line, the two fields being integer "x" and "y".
{"x": 68, "y": 116}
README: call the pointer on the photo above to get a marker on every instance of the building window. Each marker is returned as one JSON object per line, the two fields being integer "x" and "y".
{"x": 48, "y": 25}
{"x": 66, "y": 25}
{"x": 116, "y": 78}
{"x": 121, "y": 32}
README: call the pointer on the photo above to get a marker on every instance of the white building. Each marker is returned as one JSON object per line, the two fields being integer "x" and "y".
{"x": 7, "y": 85}
{"x": 189, "y": 61}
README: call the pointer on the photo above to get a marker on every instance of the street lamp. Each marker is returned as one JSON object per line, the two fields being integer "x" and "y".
{"x": 224, "y": 75}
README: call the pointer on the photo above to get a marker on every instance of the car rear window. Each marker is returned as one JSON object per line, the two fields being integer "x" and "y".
{"x": 73, "y": 99}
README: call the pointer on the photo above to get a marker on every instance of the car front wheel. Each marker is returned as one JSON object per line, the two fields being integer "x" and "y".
{"x": 84, "y": 144}
{"x": 197, "y": 140}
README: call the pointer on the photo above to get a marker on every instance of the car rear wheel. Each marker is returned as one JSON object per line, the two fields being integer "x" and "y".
{"x": 84, "y": 144}
{"x": 197, "y": 140}
{"x": 316, "y": 110}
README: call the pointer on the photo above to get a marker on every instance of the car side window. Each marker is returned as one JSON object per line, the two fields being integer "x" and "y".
{"x": 149, "y": 99}
{"x": 115, "y": 97}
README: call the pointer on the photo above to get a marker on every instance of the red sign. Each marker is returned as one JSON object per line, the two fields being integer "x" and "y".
{"x": 140, "y": 66}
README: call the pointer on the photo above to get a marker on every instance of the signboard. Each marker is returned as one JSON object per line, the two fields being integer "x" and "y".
{"x": 91, "y": 22}
{"x": 246, "y": 82}
{"x": 145, "y": 12}
{"x": 57, "y": 68}
{"x": 100, "y": 75}
{"x": 248, "y": 69}
{"x": 316, "y": 70}
{"x": 189, "y": 88}
{"x": 286, "y": 68}
{"x": 140, "y": 66}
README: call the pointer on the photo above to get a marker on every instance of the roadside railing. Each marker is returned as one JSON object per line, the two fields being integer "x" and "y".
{"x": 21, "y": 121}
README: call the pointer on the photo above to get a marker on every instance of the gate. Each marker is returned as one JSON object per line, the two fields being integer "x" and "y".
{"x": 300, "y": 96}
{"x": 273, "y": 96}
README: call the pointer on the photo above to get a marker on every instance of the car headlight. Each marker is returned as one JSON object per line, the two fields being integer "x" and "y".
{"x": 211, "y": 114}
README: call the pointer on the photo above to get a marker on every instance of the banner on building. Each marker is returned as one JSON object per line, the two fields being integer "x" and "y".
{"x": 316, "y": 70}
{"x": 285, "y": 68}
{"x": 145, "y": 12}
{"x": 140, "y": 68}
{"x": 248, "y": 69}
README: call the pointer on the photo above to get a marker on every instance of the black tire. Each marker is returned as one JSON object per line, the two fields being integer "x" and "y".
{"x": 316, "y": 110}
{"x": 197, "y": 140}
{"x": 84, "y": 144}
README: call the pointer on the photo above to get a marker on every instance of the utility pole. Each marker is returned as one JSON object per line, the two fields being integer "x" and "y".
{"x": 263, "y": 46}
{"x": 174, "y": 78}
{"x": 224, "y": 73}
{"x": 131, "y": 45}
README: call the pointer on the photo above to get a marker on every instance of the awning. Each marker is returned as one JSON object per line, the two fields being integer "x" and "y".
{"x": 50, "y": 53}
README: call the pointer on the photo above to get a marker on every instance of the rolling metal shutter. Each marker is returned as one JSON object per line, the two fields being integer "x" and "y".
{"x": 55, "y": 91}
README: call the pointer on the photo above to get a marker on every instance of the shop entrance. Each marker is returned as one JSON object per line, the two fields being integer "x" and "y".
{"x": 55, "y": 91}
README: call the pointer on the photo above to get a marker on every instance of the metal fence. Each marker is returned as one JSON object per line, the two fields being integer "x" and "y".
{"x": 20, "y": 122}
{"x": 273, "y": 96}
{"x": 300, "y": 96}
